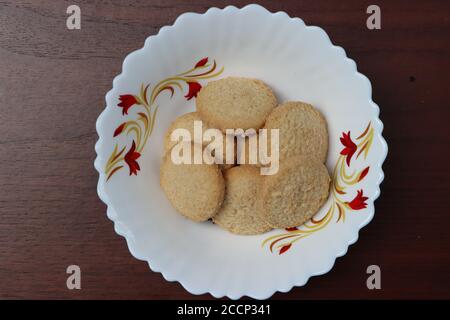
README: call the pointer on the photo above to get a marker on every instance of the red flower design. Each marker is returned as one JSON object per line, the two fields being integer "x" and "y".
{"x": 130, "y": 158}
{"x": 119, "y": 129}
{"x": 359, "y": 202}
{"x": 126, "y": 102}
{"x": 285, "y": 248}
{"x": 194, "y": 88}
{"x": 201, "y": 63}
{"x": 350, "y": 147}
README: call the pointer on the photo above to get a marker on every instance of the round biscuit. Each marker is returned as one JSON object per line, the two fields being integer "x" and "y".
{"x": 239, "y": 213}
{"x": 195, "y": 190}
{"x": 293, "y": 195}
{"x": 235, "y": 102}
{"x": 302, "y": 130}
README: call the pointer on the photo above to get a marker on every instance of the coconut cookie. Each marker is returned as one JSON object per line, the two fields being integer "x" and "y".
{"x": 195, "y": 190}
{"x": 238, "y": 213}
{"x": 186, "y": 121}
{"x": 293, "y": 195}
{"x": 236, "y": 103}
{"x": 303, "y": 130}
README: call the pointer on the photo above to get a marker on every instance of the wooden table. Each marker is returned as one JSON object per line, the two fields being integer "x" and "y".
{"x": 52, "y": 87}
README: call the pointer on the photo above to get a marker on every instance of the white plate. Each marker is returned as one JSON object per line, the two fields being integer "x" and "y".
{"x": 300, "y": 63}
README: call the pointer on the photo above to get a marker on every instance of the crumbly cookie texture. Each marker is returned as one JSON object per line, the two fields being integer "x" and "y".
{"x": 239, "y": 213}
{"x": 293, "y": 195}
{"x": 302, "y": 130}
{"x": 195, "y": 190}
{"x": 235, "y": 102}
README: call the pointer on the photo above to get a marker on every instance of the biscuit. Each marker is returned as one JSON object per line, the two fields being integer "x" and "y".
{"x": 293, "y": 195}
{"x": 186, "y": 121}
{"x": 195, "y": 190}
{"x": 303, "y": 130}
{"x": 238, "y": 213}
{"x": 236, "y": 103}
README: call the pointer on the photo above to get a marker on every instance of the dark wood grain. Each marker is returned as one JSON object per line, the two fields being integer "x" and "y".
{"x": 52, "y": 86}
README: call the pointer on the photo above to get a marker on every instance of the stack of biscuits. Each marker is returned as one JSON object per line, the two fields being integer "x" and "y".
{"x": 237, "y": 197}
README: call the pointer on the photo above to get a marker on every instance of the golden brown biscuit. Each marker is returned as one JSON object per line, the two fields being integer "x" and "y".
{"x": 239, "y": 213}
{"x": 236, "y": 103}
{"x": 195, "y": 190}
{"x": 293, "y": 195}
{"x": 303, "y": 130}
